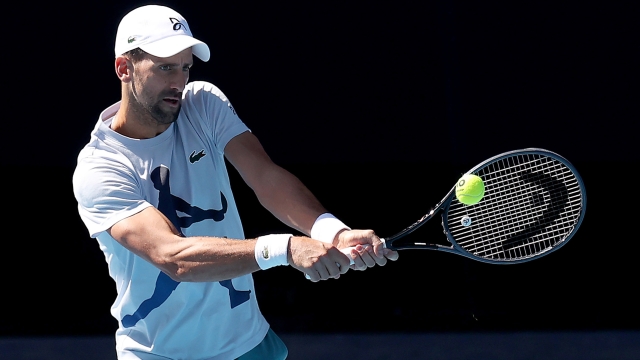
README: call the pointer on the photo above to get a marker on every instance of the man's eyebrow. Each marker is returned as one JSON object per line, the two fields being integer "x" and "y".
{"x": 189, "y": 64}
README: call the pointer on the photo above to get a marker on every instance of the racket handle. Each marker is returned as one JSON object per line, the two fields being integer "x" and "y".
{"x": 347, "y": 251}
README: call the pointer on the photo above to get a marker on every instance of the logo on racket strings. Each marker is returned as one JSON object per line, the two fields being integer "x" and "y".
{"x": 465, "y": 221}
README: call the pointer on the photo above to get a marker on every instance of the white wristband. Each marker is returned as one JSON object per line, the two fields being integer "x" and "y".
{"x": 272, "y": 250}
{"x": 326, "y": 227}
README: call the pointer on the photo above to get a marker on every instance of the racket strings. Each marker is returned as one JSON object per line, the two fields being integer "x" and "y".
{"x": 532, "y": 203}
{"x": 511, "y": 211}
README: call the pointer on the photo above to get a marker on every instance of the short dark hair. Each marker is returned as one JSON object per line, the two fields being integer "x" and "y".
{"x": 136, "y": 54}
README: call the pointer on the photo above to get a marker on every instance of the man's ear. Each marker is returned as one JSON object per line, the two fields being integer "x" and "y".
{"x": 124, "y": 68}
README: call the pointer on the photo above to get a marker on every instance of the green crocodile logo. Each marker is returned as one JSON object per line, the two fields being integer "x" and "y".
{"x": 196, "y": 157}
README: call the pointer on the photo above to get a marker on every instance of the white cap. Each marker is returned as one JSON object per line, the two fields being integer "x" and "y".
{"x": 159, "y": 31}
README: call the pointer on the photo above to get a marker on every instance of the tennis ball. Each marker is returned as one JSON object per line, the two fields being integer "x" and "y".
{"x": 470, "y": 189}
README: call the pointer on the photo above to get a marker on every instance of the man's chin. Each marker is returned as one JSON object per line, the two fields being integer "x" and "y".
{"x": 167, "y": 116}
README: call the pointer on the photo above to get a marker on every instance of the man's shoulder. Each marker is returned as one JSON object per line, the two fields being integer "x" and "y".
{"x": 198, "y": 94}
{"x": 196, "y": 87}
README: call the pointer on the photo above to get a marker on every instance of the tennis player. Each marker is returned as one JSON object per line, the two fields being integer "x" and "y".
{"x": 153, "y": 190}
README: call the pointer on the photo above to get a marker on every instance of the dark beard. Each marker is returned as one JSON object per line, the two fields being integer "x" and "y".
{"x": 153, "y": 111}
{"x": 162, "y": 117}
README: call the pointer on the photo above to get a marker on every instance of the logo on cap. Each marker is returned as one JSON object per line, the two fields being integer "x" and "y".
{"x": 131, "y": 39}
{"x": 177, "y": 25}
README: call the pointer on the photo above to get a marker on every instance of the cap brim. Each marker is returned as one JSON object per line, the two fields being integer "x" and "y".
{"x": 172, "y": 45}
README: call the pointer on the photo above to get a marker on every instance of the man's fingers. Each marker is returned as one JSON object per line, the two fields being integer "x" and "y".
{"x": 391, "y": 254}
{"x": 358, "y": 262}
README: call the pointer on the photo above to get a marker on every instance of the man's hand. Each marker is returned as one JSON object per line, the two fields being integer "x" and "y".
{"x": 365, "y": 256}
{"x": 317, "y": 259}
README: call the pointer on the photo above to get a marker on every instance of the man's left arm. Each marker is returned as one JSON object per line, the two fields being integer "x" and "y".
{"x": 289, "y": 200}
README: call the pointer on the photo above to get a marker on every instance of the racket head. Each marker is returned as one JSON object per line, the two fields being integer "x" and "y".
{"x": 534, "y": 202}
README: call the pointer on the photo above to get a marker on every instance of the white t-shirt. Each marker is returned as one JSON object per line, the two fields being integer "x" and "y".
{"x": 181, "y": 172}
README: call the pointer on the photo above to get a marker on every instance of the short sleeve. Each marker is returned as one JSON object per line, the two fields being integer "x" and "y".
{"x": 106, "y": 192}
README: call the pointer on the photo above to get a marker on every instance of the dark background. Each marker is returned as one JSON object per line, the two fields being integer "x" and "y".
{"x": 378, "y": 108}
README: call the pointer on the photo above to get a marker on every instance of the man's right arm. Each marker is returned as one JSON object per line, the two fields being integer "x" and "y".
{"x": 150, "y": 235}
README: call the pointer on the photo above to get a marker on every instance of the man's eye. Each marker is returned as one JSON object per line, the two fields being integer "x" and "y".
{"x": 165, "y": 67}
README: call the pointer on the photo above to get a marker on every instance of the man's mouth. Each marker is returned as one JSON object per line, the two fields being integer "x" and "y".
{"x": 172, "y": 101}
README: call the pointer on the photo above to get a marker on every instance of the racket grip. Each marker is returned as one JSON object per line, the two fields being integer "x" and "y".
{"x": 347, "y": 251}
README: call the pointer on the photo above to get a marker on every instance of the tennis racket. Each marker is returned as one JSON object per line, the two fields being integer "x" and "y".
{"x": 534, "y": 202}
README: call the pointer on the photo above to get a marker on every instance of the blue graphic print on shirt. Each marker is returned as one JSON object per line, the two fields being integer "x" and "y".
{"x": 169, "y": 204}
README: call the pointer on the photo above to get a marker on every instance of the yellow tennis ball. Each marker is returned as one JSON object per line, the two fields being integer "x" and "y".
{"x": 470, "y": 189}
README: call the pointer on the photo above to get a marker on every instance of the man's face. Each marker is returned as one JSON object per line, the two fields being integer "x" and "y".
{"x": 157, "y": 86}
